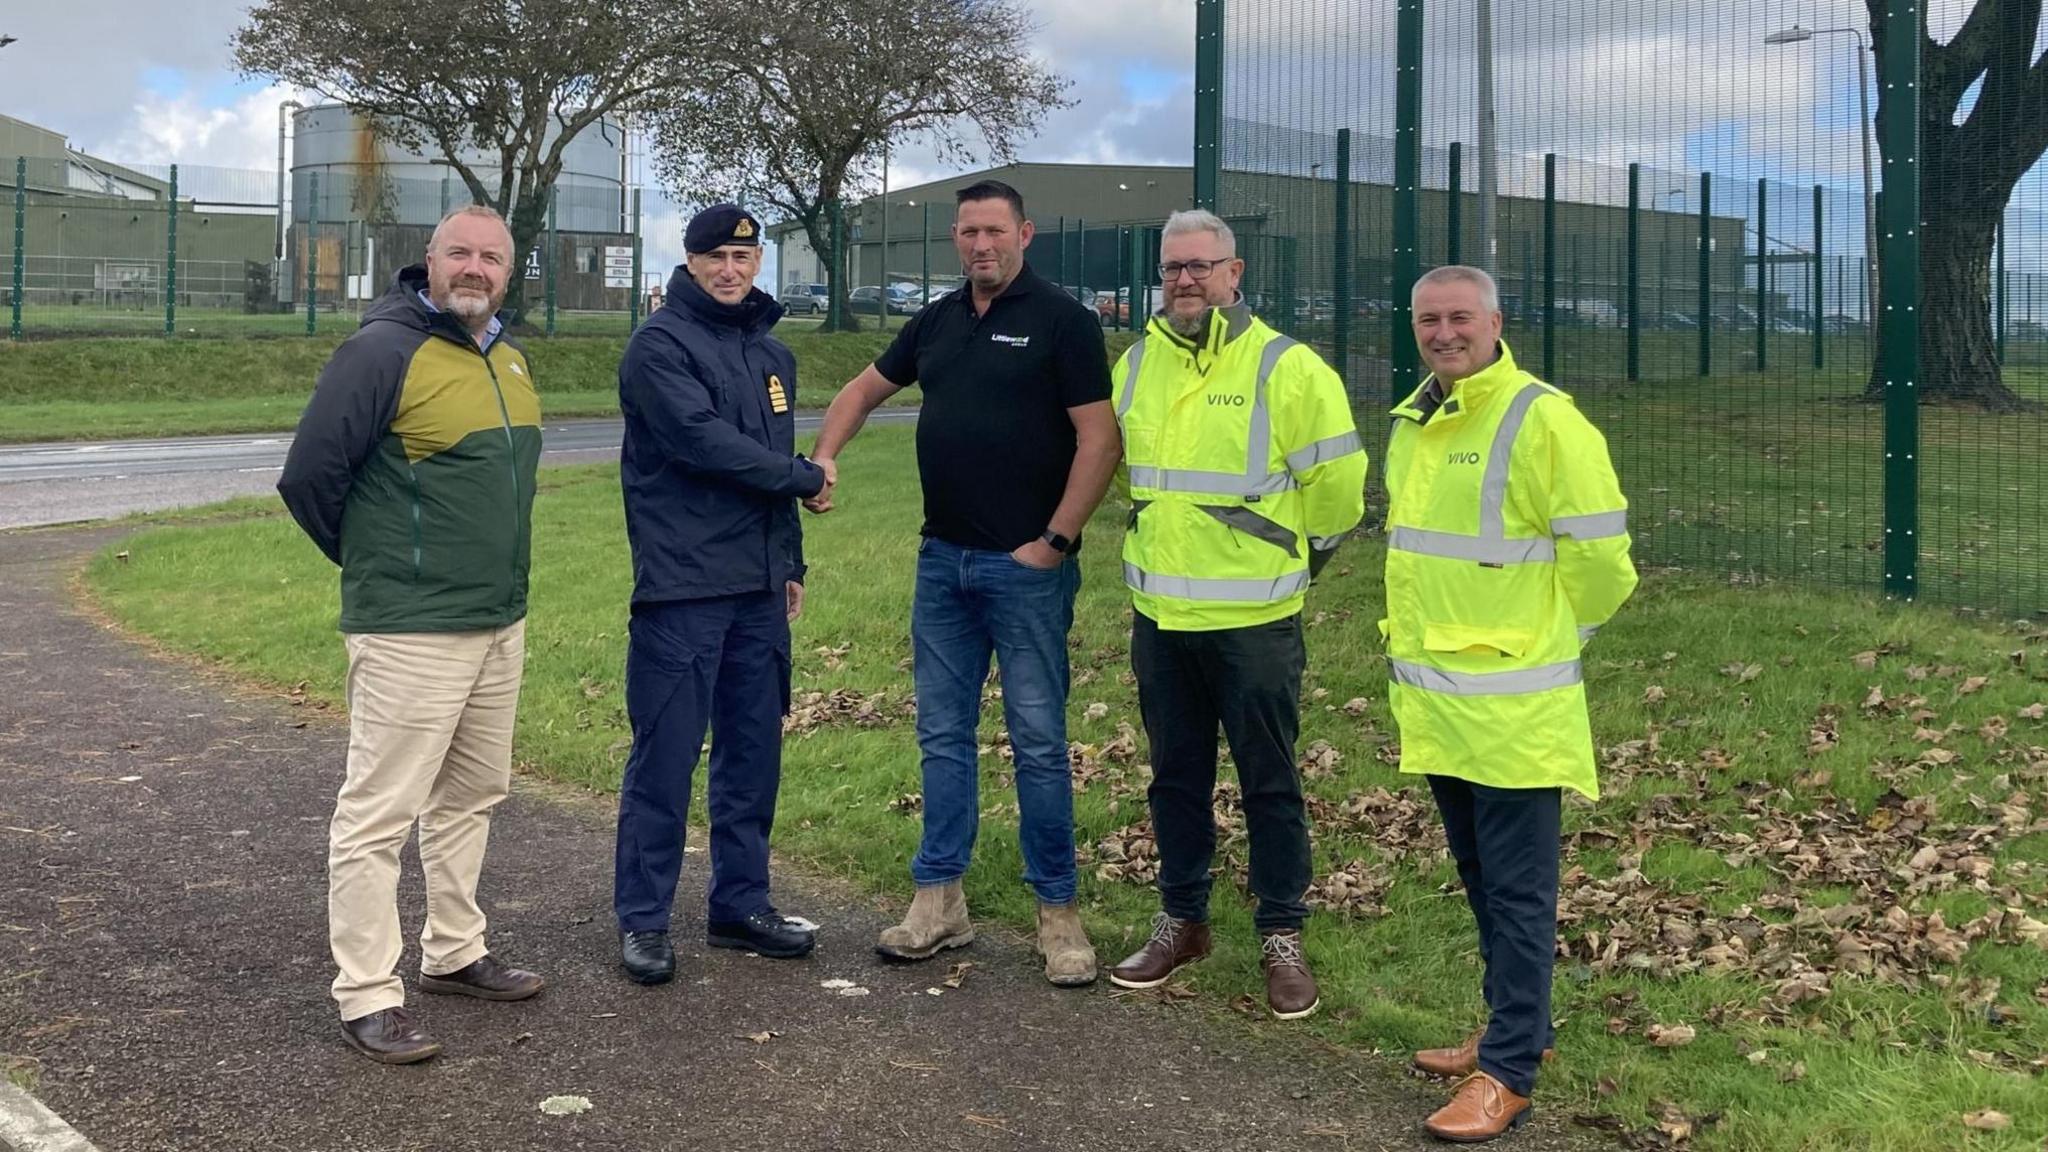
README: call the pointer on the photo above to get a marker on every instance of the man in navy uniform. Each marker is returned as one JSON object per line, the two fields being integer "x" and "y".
{"x": 712, "y": 481}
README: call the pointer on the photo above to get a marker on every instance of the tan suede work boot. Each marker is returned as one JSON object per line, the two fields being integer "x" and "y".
{"x": 937, "y": 920}
{"x": 1069, "y": 959}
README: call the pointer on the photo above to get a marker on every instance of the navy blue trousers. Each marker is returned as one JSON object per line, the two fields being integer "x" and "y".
{"x": 1505, "y": 841}
{"x": 721, "y": 663}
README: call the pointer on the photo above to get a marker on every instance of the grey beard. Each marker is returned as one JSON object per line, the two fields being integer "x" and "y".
{"x": 1193, "y": 327}
{"x": 467, "y": 307}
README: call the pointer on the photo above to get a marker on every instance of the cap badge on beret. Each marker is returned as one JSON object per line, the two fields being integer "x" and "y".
{"x": 744, "y": 229}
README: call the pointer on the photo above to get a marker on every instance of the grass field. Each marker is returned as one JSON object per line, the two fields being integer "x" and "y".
{"x": 1821, "y": 847}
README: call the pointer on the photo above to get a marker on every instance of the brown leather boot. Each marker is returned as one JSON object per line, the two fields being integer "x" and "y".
{"x": 1451, "y": 1063}
{"x": 1174, "y": 943}
{"x": 486, "y": 978}
{"x": 937, "y": 920}
{"x": 1481, "y": 1108}
{"x": 391, "y": 1036}
{"x": 1290, "y": 989}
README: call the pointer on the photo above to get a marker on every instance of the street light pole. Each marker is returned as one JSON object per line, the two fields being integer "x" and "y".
{"x": 1797, "y": 35}
{"x": 1485, "y": 243}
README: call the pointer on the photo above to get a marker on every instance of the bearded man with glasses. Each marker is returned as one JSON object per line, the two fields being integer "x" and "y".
{"x": 1246, "y": 471}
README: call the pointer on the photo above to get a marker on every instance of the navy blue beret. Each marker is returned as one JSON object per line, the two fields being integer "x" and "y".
{"x": 719, "y": 225}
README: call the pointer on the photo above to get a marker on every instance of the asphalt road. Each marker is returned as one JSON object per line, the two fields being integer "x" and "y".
{"x": 72, "y": 482}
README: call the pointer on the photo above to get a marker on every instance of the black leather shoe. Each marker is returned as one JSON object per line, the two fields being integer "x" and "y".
{"x": 648, "y": 956}
{"x": 769, "y": 933}
{"x": 390, "y": 1037}
{"x": 486, "y": 978}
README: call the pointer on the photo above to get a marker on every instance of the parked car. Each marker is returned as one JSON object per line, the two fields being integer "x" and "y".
{"x": 805, "y": 299}
{"x": 902, "y": 301}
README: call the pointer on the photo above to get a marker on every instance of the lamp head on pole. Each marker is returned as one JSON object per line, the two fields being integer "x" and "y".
{"x": 1793, "y": 35}
{"x": 5, "y": 39}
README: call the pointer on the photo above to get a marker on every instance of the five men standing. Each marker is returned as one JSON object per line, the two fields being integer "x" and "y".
{"x": 1507, "y": 547}
{"x": 1246, "y": 471}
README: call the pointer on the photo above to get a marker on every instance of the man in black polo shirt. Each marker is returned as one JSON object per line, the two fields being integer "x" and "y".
{"x": 1015, "y": 446}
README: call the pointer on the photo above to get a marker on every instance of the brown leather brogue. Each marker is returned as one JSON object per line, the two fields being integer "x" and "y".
{"x": 1290, "y": 989}
{"x": 486, "y": 979}
{"x": 1451, "y": 1063}
{"x": 391, "y": 1036}
{"x": 1174, "y": 944}
{"x": 1481, "y": 1108}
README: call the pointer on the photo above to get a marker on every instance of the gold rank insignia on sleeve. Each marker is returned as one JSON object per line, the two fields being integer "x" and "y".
{"x": 778, "y": 400}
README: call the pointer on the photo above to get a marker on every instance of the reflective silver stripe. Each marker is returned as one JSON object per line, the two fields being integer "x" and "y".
{"x": 1519, "y": 682}
{"x": 1593, "y": 526}
{"x": 1244, "y": 520}
{"x": 1211, "y": 483}
{"x": 1301, "y": 460}
{"x": 1458, "y": 546}
{"x": 1586, "y": 632}
{"x": 1259, "y": 445}
{"x": 1493, "y": 490}
{"x": 1137, "y": 354}
{"x": 1236, "y": 591}
{"x": 1325, "y": 543}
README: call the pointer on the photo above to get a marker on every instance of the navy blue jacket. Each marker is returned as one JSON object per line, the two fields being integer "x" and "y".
{"x": 709, "y": 466}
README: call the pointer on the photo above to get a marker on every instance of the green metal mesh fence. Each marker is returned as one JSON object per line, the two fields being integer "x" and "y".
{"x": 98, "y": 249}
{"x": 1676, "y": 202}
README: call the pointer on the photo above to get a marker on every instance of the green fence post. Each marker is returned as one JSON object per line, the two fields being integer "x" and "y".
{"x": 832, "y": 266}
{"x": 313, "y": 251}
{"x": 1899, "y": 72}
{"x": 1763, "y": 273}
{"x": 1064, "y": 280}
{"x": 1706, "y": 274}
{"x": 171, "y": 258}
{"x": 1454, "y": 206}
{"x": 633, "y": 294}
{"x": 925, "y": 245}
{"x": 1406, "y": 358}
{"x": 1081, "y": 257}
{"x": 1550, "y": 265}
{"x": 1341, "y": 284}
{"x": 1820, "y": 286}
{"x": 1208, "y": 101}
{"x": 20, "y": 238}
{"x": 547, "y": 267}
{"x": 444, "y": 196}
{"x": 1630, "y": 258}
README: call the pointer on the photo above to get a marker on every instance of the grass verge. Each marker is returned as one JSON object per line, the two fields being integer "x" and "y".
{"x": 1821, "y": 847}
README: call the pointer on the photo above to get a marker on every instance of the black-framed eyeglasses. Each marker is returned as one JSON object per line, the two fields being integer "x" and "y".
{"x": 1199, "y": 269}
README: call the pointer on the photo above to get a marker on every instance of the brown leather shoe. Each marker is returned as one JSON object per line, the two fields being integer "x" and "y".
{"x": 390, "y": 1037}
{"x": 1290, "y": 990}
{"x": 486, "y": 979}
{"x": 1481, "y": 1108}
{"x": 1451, "y": 1063}
{"x": 1174, "y": 943}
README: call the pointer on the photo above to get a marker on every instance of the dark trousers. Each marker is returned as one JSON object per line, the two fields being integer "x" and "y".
{"x": 722, "y": 662}
{"x": 1505, "y": 841}
{"x": 1248, "y": 681}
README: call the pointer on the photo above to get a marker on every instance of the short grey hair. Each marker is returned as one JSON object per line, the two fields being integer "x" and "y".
{"x": 1201, "y": 220}
{"x": 1489, "y": 292}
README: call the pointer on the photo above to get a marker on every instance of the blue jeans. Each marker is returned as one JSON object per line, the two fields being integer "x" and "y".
{"x": 971, "y": 603}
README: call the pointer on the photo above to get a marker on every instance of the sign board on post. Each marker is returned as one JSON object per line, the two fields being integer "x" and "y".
{"x": 618, "y": 266}
{"x": 533, "y": 263}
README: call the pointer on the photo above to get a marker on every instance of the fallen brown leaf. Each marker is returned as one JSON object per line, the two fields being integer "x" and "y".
{"x": 1670, "y": 1036}
{"x": 1987, "y": 1120}
{"x": 958, "y": 975}
{"x": 1972, "y": 685}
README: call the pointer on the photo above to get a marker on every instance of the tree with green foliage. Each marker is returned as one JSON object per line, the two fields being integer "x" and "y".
{"x": 796, "y": 100}
{"x": 513, "y": 80}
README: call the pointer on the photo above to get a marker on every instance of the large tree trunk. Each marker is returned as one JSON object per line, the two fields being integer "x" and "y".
{"x": 1958, "y": 350}
{"x": 527, "y": 221}
{"x": 819, "y": 231}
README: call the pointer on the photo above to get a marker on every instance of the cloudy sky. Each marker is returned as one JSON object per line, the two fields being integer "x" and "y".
{"x": 1672, "y": 83}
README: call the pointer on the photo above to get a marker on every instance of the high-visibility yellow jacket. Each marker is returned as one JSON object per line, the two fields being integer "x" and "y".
{"x": 1507, "y": 545}
{"x": 1245, "y": 471}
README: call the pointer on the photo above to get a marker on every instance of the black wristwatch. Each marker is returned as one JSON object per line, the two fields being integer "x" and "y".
{"x": 1057, "y": 542}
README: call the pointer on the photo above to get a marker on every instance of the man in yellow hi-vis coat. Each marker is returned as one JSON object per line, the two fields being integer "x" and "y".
{"x": 1245, "y": 471}
{"x": 1507, "y": 546}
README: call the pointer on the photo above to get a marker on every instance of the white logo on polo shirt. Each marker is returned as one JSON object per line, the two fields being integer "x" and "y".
{"x": 1012, "y": 341}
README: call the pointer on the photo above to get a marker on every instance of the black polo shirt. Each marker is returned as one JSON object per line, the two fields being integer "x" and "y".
{"x": 994, "y": 440}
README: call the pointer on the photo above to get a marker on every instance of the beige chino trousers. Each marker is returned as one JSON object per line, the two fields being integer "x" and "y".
{"x": 430, "y": 743}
